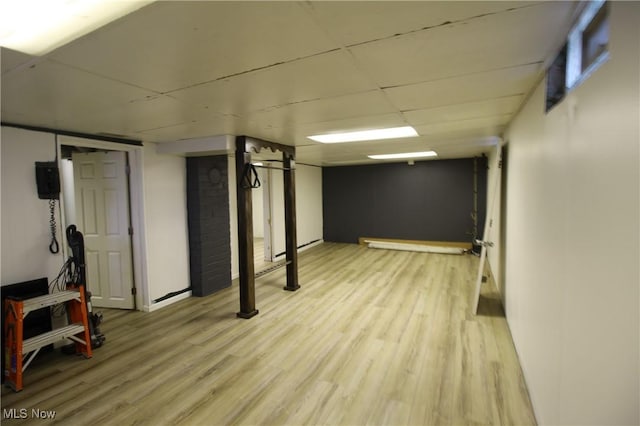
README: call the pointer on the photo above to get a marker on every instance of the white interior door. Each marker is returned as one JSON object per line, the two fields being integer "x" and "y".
{"x": 102, "y": 213}
{"x": 487, "y": 239}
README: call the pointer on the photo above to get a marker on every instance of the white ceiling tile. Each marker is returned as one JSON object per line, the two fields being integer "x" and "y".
{"x": 191, "y": 129}
{"x": 515, "y": 37}
{"x": 149, "y": 113}
{"x": 462, "y": 139}
{"x": 470, "y": 88}
{"x": 479, "y": 136}
{"x": 170, "y": 44}
{"x": 328, "y": 109}
{"x": 353, "y": 22}
{"x": 280, "y": 71}
{"x": 52, "y": 95}
{"x": 298, "y": 134}
{"x": 464, "y": 111}
{"x": 321, "y": 76}
{"x": 11, "y": 59}
{"x": 491, "y": 124}
{"x": 352, "y": 124}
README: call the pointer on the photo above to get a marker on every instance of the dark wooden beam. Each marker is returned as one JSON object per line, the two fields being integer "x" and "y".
{"x": 289, "y": 164}
{"x": 245, "y": 234}
{"x": 244, "y": 147}
{"x": 255, "y": 145}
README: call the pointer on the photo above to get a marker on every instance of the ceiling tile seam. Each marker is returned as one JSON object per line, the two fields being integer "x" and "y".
{"x": 304, "y": 101}
{"x": 167, "y": 126}
{"x": 451, "y": 77}
{"x": 385, "y": 95}
{"x": 363, "y": 70}
{"x": 463, "y": 143}
{"x": 167, "y": 92}
{"x": 461, "y": 120}
{"x": 260, "y": 68}
{"x": 463, "y": 103}
{"x": 31, "y": 63}
{"x": 443, "y": 24}
{"x": 308, "y": 8}
{"x": 331, "y": 122}
{"x": 104, "y": 77}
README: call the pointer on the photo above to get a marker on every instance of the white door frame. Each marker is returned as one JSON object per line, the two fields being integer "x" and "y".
{"x": 136, "y": 195}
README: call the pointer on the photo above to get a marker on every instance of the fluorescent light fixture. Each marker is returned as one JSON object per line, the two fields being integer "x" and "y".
{"x": 37, "y": 27}
{"x": 403, "y": 155}
{"x": 258, "y": 164}
{"x": 366, "y": 135}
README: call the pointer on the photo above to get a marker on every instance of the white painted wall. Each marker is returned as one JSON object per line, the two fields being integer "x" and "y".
{"x": 258, "y": 208}
{"x": 308, "y": 203}
{"x": 165, "y": 199}
{"x": 308, "y": 208}
{"x": 233, "y": 216}
{"x": 25, "y": 217}
{"x": 572, "y": 241}
{"x": 276, "y": 194}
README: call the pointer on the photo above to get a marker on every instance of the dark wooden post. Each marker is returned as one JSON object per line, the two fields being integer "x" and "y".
{"x": 289, "y": 164}
{"x": 245, "y": 234}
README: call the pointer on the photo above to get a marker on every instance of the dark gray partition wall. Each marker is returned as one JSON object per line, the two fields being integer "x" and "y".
{"x": 430, "y": 200}
{"x": 208, "y": 215}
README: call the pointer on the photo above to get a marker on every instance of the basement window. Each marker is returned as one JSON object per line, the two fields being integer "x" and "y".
{"x": 556, "y": 78}
{"x": 588, "y": 45}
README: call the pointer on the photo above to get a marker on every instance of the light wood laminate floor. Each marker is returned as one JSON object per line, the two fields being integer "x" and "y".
{"x": 372, "y": 337}
{"x": 259, "y": 263}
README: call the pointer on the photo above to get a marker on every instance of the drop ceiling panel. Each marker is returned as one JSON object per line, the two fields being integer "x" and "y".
{"x": 51, "y": 95}
{"x": 10, "y": 59}
{"x": 170, "y": 45}
{"x": 210, "y": 126}
{"x": 352, "y": 124}
{"x": 471, "y": 88}
{"x": 359, "y": 22}
{"x": 357, "y": 152}
{"x": 515, "y": 37}
{"x": 329, "y": 109}
{"x": 479, "y": 136}
{"x": 282, "y": 71}
{"x": 465, "y": 111}
{"x": 490, "y": 124}
{"x": 149, "y": 113}
{"x": 391, "y": 146}
{"x": 322, "y": 76}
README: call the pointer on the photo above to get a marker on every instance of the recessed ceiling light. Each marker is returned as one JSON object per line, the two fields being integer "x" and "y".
{"x": 403, "y": 155}
{"x": 366, "y": 135}
{"x": 37, "y": 27}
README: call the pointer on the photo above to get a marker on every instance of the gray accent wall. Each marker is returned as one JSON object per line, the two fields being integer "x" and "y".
{"x": 430, "y": 200}
{"x": 209, "y": 234}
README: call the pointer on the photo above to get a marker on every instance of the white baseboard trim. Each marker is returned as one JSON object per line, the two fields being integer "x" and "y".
{"x": 300, "y": 250}
{"x": 414, "y": 247}
{"x": 167, "y": 302}
{"x": 283, "y": 256}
